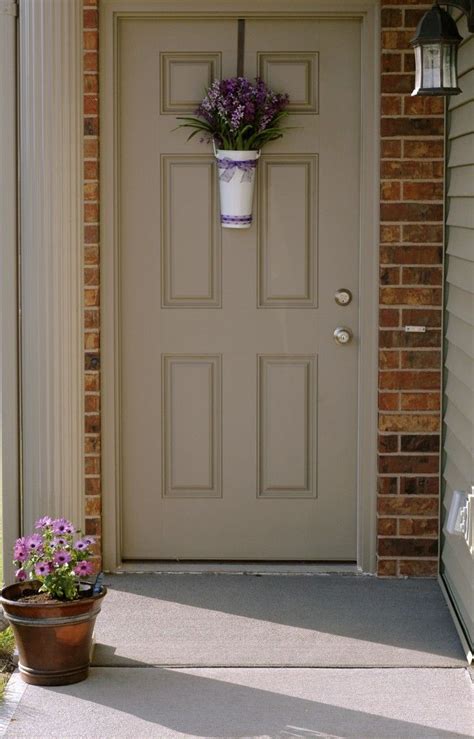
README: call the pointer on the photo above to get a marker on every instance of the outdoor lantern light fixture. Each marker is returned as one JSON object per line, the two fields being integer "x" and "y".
{"x": 436, "y": 44}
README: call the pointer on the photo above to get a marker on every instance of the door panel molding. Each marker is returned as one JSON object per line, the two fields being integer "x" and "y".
{"x": 204, "y": 479}
{"x": 276, "y": 478}
{"x": 303, "y": 292}
{"x": 192, "y": 176}
{"x": 111, "y": 14}
{"x": 308, "y": 64}
{"x": 177, "y": 67}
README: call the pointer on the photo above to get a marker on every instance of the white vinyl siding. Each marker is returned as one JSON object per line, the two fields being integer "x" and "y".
{"x": 457, "y": 565}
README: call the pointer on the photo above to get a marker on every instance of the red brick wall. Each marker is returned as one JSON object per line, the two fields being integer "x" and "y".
{"x": 411, "y": 254}
{"x": 92, "y": 482}
{"x": 411, "y": 236}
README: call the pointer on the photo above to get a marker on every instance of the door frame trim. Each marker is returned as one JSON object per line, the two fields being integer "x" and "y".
{"x": 111, "y": 14}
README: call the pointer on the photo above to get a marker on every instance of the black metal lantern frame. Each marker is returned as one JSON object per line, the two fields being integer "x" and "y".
{"x": 436, "y": 44}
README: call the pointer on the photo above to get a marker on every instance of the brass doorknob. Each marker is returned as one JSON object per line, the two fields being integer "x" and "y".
{"x": 342, "y": 335}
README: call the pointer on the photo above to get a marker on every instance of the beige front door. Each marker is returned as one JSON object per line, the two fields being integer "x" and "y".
{"x": 238, "y": 409}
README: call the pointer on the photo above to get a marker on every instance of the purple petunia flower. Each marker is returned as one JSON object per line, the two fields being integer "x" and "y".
{"x": 60, "y": 541}
{"x": 20, "y": 555}
{"x": 20, "y": 552}
{"x": 83, "y": 568}
{"x": 44, "y": 522}
{"x": 61, "y": 557}
{"x": 63, "y": 526}
{"x": 34, "y": 543}
{"x": 89, "y": 540}
{"x": 21, "y": 575}
{"x": 81, "y": 545}
{"x": 43, "y": 568}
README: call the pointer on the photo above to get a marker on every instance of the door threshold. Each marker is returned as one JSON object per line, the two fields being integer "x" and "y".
{"x": 238, "y": 568}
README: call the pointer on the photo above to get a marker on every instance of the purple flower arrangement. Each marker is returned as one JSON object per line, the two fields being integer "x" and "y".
{"x": 238, "y": 114}
{"x": 56, "y": 555}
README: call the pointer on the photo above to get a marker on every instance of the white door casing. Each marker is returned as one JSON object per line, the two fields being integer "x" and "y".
{"x": 190, "y": 361}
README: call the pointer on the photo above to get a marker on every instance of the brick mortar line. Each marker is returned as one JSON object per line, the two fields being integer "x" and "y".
{"x": 410, "y": 160}
{"x": 412, "y": 476}
{"x": 405, "y": 496}
{"x": 410, "y": 266}
{"x": 408, "y": 537}
{"x": 413, "y": 223}
{"x": 400, "y": 202}
{"x": 404, "y": 116}
{"x": 408, "y": 369}
{"x": 410, "y": 415}
{"x": 406, "y": 558}
{"x": 407, "y": 517}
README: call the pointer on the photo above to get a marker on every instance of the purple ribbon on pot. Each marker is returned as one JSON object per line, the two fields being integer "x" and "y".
{"x": 228, "y": 168}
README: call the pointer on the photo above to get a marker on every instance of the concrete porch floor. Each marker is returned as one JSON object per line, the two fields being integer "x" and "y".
{"x": 270, "y": 656}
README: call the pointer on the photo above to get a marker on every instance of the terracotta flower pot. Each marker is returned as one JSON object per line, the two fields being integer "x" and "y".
{"x": 54, "y": 639}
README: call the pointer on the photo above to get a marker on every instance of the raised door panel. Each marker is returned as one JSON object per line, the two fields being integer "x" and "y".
{"x": 286, "y": 427}
{"x": 190, "y": 246}
{"x": 184, "y": 75}
{"x": 191, "y": 410}
{"x": 287, "y": 233}
{"x": 296, "y": 73}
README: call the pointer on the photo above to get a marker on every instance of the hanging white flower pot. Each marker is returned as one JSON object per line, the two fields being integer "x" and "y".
{"x": 236, "y": 184}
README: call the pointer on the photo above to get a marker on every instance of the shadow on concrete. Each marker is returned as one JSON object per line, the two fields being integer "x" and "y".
{"x": 162, "y": 702}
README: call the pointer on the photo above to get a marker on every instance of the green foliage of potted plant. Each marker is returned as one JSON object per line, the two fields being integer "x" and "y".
{"x": 52, "y": 611}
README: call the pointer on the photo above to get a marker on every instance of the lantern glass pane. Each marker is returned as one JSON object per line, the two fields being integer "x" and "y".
{"x": 449, "y": 66}
{"x": 432, "y": 65}
{"x": 417, "y": 69}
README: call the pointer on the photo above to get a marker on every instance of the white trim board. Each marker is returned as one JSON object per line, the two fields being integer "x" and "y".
{"x": 9, "y": 324}
{"x": 52, "y": 260}
{"x": 111, "y": 11}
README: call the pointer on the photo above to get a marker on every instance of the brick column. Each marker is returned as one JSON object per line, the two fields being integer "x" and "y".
{"x": 91, "y": 272}
{"x": 411, "y": 256}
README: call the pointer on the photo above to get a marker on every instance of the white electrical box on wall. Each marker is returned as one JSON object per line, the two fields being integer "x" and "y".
{"x": 460, "y": 517}
{"x": 455, "y": 515}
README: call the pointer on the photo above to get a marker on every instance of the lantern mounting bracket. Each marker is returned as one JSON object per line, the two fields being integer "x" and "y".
{"x": 467, "y": 7}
